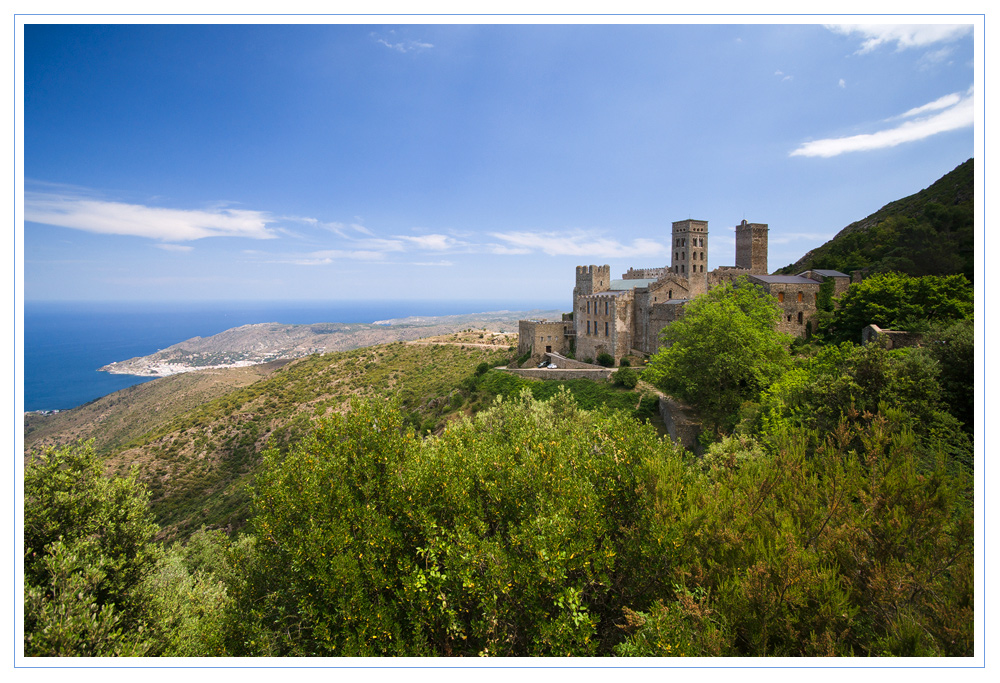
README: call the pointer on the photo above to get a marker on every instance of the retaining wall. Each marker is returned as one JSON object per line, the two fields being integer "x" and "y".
{"x": 681, "y": 422}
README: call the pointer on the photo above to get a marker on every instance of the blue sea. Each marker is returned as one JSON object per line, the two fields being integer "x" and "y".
{"x": 65, "y": 343}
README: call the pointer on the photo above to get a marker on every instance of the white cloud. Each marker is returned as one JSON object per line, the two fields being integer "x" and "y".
{"x": 173, "y": 247}
{"x": 785, "y": 77}
{"x": 330, "y": 256}
{"x": 401, "y": 45}
{"x": 432, "y": 242}
{"x": 938, "y": 104}
{"x": 952, "y": 113}
{"x": 573, "y": 244}
{"x": 905, "y": 36}
{"x": 842, "y": 83}
{"x": 169, "y": 225}
{"x": 444, "y": 264}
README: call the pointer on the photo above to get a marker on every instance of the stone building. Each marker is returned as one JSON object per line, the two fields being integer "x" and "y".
{"x": 797, "y": 298}
{"x": 626, "y": 316}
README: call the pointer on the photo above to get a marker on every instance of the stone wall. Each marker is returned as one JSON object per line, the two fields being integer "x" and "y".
{"x": 681, "y": 422}
{"x": 645, "y": 273}
{"x": 561, "y": 374}
{"x": 660, "y": 315}
{"x": 893, "y": 339}
{"x": 570, "y": 364}
{"x": 724, "y": 274}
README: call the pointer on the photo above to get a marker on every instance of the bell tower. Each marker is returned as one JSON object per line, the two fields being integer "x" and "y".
{"x": 689, "y": 253}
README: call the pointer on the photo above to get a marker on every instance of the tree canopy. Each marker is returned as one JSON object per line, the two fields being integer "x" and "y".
{"x": 722, "y": 352}
{"x": 897, "y": 301}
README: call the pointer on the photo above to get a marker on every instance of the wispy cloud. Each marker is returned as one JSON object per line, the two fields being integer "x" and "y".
{"x": 573, "y": 244}
{"x": 173, "y": 247}
{"x": 168, "y": 225}
{"x": 328, "y": 257}
{"x": 947, "y": 113}
{"x": 393, "y": 43}
{"x": 903, "y": 36}
{"x": 433, "y": 264}
{"x": 433, "y": 242}
{"x": 784, "y": 77}
{"x": 937, "y": 105}
{"x": 842, "y": 83}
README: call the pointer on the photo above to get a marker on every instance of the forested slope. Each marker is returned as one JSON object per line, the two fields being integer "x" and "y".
{"x": 927, "y": 233}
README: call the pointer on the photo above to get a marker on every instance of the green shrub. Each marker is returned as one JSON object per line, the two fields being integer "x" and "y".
{"x": 626, "y": 377}
{"x": 606, "y": 360}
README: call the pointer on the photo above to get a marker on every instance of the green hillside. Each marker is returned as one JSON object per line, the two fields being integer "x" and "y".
{"x": 927, "y": 233}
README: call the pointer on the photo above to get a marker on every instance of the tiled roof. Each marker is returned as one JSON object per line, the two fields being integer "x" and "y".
{"x": 826, "y": 273}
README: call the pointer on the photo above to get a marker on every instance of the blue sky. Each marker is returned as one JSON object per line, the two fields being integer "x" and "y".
{"x": 466, "y": 162}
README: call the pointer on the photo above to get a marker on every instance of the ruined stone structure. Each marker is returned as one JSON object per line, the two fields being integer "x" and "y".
{"x": 626, "y": 316}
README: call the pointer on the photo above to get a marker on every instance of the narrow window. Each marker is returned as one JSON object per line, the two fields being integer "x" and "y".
{"x": 588, "y": 308}
{"x": 606, "y": 326}
{"x": 605, "y": 308}
{"x": 781, "y": 297}
{"x": 800, "y": 299}
{"x": 800, "y": 317}
{"x": 588, "y": 327}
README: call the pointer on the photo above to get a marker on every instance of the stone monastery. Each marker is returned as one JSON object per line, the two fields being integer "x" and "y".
{"x": 626, "y": 316}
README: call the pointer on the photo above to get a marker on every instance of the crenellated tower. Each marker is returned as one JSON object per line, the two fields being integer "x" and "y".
{"x": 589, "y": 280}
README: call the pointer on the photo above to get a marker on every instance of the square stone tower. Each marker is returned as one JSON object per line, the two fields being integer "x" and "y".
{"x": 751, "y": 247}
{"x": 689, "y": 253}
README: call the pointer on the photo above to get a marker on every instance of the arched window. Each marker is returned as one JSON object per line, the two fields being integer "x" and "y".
{"x": 781, "y": 297}
{"x": 800, "y": 317}
{"x": 800, "y": 300}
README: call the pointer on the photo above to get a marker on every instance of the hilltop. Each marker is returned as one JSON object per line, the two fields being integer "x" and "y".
{"x": 927, "y": 233}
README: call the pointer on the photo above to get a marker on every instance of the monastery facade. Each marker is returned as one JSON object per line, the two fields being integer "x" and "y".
{"x": 626, "y": 316}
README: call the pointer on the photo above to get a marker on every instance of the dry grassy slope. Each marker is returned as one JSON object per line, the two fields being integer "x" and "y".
{"x": 114, "y": 420}
{"x": 197, "y": 464}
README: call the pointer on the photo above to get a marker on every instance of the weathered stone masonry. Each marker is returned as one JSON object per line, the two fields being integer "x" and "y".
{"x": 626, "y": 316}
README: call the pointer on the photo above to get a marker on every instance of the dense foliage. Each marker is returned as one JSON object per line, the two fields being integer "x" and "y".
{"x": 538, "y": 528}
{"x": 541, "y": 529}
{"x": 86, "y": 553}
{"x": 900, "y": 302}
